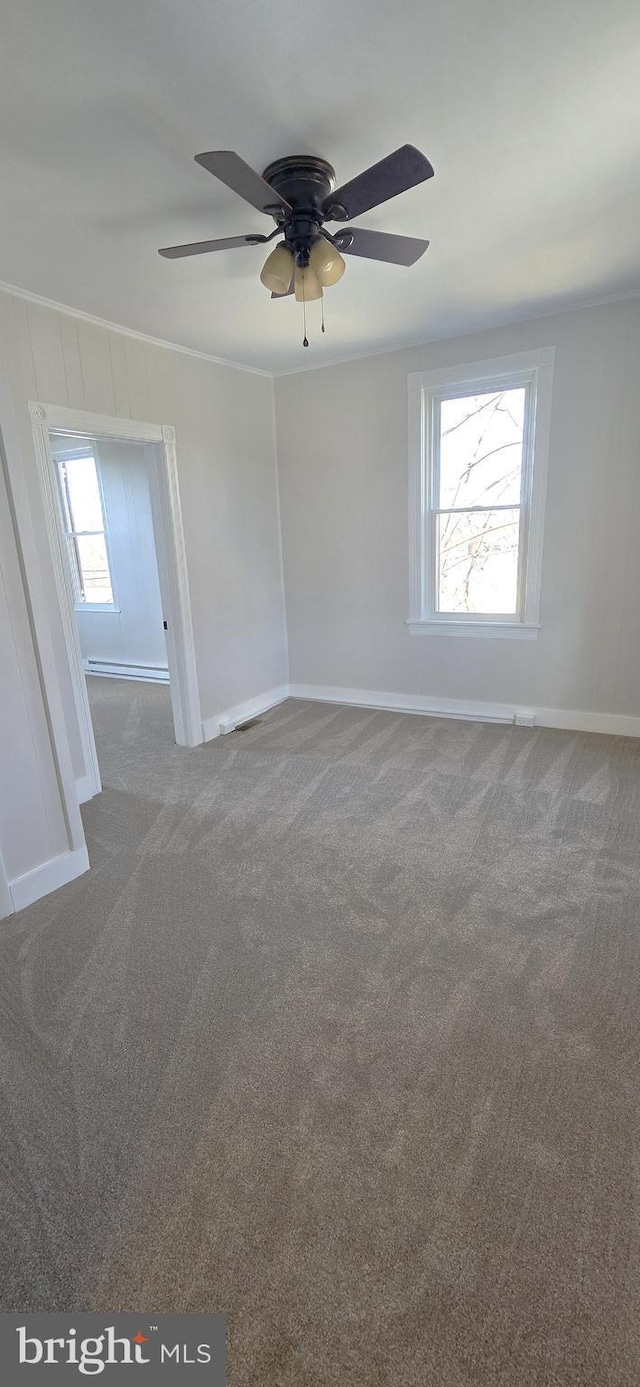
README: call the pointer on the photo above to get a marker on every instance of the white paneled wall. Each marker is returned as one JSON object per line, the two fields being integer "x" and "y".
{"x": 28, "y": 769}
{"x": 224, "y": 424}
{"x": 41, "y": 838}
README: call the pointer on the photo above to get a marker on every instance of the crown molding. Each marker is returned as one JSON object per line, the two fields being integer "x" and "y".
{"x": 129, "y": 331}
{"x": 491, "y": 325}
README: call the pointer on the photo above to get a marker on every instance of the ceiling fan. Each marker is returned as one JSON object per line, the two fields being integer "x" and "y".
{"x": 299, "y": 192}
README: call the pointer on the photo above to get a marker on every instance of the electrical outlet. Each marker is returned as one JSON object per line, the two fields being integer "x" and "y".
{"x": 524, "y": 719}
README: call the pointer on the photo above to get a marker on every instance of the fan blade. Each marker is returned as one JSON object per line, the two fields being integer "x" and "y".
{"x": 393, "y": 175}
{"x": 204, "y": 247}
{"x": 379, "y": 245}
{"x": 286, "y": 293}
{"x": 232, "y": 170}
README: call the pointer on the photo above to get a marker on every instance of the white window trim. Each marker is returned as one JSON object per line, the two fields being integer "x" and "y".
{"x": 527, "y": 368}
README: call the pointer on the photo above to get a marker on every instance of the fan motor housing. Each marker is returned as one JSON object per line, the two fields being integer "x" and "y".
{"x": 303, "y": 180}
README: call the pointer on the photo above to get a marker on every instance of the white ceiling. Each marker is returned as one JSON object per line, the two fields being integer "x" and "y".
{"x": 528, "y": 110}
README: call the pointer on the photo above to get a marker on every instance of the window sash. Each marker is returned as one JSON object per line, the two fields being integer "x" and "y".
{"x": 431, "y": 446}
{"x": 72, "y": 534}
{"x": 445, "y": 613}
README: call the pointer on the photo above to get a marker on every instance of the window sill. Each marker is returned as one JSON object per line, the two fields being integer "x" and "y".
{"x": 487, "y": 630}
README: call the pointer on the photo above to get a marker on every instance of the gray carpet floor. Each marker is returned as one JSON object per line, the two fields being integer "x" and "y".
{"x": 340, "y": 1035}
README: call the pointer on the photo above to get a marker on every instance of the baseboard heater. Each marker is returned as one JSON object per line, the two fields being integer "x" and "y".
{"x": 155, "y": 674}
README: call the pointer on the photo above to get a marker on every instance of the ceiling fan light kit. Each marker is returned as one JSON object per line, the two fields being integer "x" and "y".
{"x": 306, "y": 285}
{"x": 299, "y": 192}
{"x": 277, "y": 272}
{"x": 326, "y": 262}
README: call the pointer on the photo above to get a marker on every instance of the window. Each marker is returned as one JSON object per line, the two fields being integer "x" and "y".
{"x": 478, "y": 445}
{"x": 84, "y": 527}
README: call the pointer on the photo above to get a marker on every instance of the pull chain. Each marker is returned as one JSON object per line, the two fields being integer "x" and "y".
{"x": 323, "y": 312}
{"x": 305, "y": 340}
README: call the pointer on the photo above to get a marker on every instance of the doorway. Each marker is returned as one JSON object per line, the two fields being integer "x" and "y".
{"x": 105, "y": 500}
{"x": 114, "y": 525}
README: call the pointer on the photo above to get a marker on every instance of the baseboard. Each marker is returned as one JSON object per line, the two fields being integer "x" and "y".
{"x": 108, "y": 669}
{"x": 223, "y": 722}
{"x": 405, "y": 703}
{"x": 85, "y": 788}
{"x": 615, "y": 724}
{"x": 48, "y": 877}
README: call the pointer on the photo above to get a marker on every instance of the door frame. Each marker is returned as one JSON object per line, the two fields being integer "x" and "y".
{"x": 170, "y": 553}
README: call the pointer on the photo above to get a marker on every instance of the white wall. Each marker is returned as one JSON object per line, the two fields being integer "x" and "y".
{"x": 41, "y": 839}
{"x": 342, "y": 454}
{"x": 28, "y": 769}
{"x": 224, "y": 424}
{"x": 131, "y": 633}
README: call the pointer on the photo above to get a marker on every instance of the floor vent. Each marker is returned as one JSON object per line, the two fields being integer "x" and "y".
{"x": 244, "y": 726}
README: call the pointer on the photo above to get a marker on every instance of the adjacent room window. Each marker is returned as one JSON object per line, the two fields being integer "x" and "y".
{"x": 85, "y": 529}
{"x": 478, "y": 443}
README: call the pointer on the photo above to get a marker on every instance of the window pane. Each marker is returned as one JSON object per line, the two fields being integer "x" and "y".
{"x": 94, "y": 569}
{"x": 84, "y": 494}
{"x": 478, "y": 562}
{"x": 481, "y": 449}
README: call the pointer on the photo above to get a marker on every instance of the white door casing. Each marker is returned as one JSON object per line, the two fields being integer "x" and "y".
{"x": 172, "y": 566}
